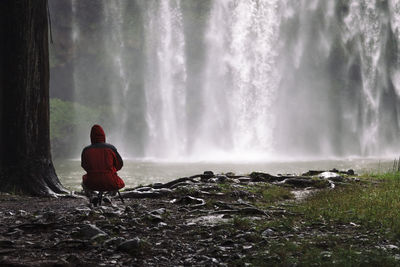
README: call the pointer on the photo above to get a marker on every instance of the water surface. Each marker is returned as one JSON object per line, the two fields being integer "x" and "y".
{"x": 137, "y": 172}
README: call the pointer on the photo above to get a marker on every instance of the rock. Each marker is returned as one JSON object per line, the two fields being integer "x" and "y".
{"x": 106, "y": 200}
{"x": 196, "y": 202}
{"x": 350, "y": 172}
{"x": 133, "y": 246}
{"x": 265, "y": 177}
{"x": 153, "y": 218}
{"x": 208, "y": 173}
{"x": 22, "y": 213}
{"x": 88, "y": 231}
{"x": 221, "y": 178}
{"x": 172, "y": 183}
{"x": 186, "y": 183}
{"x": 326, "y": 255}
{"x": 312, "y": 173}
{"x": 160, "y": 211}
{"x": 115, "y": 241}
{"x": 144, "y": 188}
{"x": 327, "y": 175}
{"x": 244, "y": 180}
{"x": 162, "y": 224}
{"x": 82, "y": 210}
{"x": 6, "y": 243}
{"x": 128, "y": 209}
{"x": 331, "y": 176}
{"x": 267, "y": 233}
{"x": 99, "y": 238}
{"x": 303, "y": 182}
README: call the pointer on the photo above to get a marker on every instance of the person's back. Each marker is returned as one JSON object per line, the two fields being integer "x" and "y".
{"x": 101, "y": 161}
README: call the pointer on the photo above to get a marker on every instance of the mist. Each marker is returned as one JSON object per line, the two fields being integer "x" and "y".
{"x": 226, "y": 80}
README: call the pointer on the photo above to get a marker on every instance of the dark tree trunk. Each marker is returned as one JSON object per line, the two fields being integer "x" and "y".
{"x": 25, "y": 159}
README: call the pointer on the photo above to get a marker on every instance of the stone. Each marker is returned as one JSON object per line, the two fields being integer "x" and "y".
{"x": 208, "y": 173}
{"x": 153, "y": 218}
{"x": 326, "y": 255}
{"x": 144, "y": 188}
{"x": 186, "y": 200}
{"x": 128, "y": 209}
{"x": 327, "y": 175}
{"x": 303, "y": 182}
{"x": 6, "y": 243}
{"x": 133, "y": 246}
{"x": 88, "y": 231}
{"x": 115, "y": 241}
{"x": 268, "y": 232}
{"x": 244, "y": 180}
{"x": 265, "y": 177}
{"x": 312, "y": 173}
{"x": 160, "y": 211}
{"x": 99, "y": 237}
{"x": 221, "y": 178}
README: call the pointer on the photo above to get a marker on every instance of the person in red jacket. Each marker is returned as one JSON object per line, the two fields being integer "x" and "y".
{"x": 101, "y": 161}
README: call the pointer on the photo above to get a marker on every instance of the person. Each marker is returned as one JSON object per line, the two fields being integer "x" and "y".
{"x": 101, "y": 161}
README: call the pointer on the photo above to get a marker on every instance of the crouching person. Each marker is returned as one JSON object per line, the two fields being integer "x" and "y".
{"x": 101, "y": 161}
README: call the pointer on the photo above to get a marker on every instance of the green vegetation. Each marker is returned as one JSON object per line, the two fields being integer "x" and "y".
{"x": 370, "y": 203}
{"x": 69, "y": 121}
{"x": 269, "y": 194}
{"x": 355, "y": 224}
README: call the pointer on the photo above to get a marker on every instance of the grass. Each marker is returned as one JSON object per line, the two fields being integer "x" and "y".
{"x": 270, "y": 193}
{"x": 347, "y": 226}
{"x": 374, "y": 205}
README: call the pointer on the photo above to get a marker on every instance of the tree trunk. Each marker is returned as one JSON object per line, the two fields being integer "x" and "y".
{"x": 25, "y": 159}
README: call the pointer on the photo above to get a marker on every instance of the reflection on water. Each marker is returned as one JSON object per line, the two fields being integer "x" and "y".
{"x": 137, "y": 172}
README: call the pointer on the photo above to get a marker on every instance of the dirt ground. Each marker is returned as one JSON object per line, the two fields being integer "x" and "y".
{"x": 191, "y": 223}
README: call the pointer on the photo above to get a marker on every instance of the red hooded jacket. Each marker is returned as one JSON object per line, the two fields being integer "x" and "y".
{"x": 101, "y": 161}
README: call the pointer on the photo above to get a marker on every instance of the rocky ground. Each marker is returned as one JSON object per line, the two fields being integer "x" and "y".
{"x": 203, "y": 220}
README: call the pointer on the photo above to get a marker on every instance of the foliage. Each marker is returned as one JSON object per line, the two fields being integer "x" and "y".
{"x": 69, "y": 120}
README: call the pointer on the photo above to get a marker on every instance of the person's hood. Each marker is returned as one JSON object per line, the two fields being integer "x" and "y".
{"x": 97, "y": 134}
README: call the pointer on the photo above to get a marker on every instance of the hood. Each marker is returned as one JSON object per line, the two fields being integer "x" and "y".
{"x": 97, "y": 134}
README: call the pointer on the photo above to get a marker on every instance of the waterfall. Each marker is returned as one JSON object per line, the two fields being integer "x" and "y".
{"x": 165, "y": 79}
{"x": 240, "y": 78}
{"x": 115, "y": 46}
{"x": 75, "y": 39}
{"x": 252, "y": 79}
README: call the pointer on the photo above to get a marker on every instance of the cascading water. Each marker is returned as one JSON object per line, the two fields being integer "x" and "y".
{"x": 267, "y": 78}
{"x": 240, "y": 78}
{"x": 115, "y": 46}
{"x": 339, "y": 96}
{"x": 165, "y": 79}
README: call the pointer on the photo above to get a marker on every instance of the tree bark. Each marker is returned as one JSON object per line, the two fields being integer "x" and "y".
{"x": 25, "y": 159}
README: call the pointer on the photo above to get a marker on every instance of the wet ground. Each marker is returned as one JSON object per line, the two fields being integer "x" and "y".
{"x": 204, "y": 220}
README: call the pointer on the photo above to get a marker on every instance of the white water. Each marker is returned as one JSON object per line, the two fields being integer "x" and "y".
{"x": 279, "y": 79}
{"x": 240, "y": 79}
{"x": 165, "y": 79}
